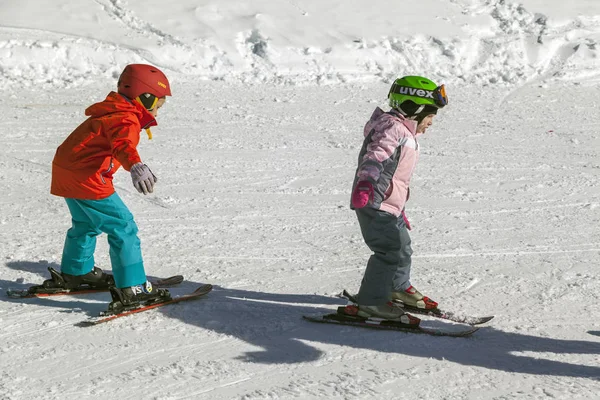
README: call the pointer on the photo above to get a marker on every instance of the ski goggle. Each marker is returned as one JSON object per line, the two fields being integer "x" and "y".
{"x": 147, "y": 100}
{"x": 438, "y": 95}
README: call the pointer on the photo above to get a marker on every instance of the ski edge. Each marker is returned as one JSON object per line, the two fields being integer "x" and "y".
{"x": 418, "y": 330}
{"x": 447, "y": 315}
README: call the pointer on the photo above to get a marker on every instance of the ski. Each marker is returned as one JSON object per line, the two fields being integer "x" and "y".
{"x": 447, "y": 315}
{"x": 40, "y": 291}
{"x": 436, "y": 312}
{"x": 109, "y": 316}
{"x": 382, "y": 324}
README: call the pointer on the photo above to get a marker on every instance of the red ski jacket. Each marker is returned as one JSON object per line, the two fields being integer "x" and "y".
{"x": 84, "y": 164}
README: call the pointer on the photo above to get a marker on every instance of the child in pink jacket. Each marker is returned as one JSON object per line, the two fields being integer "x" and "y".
{"x": 381, "y": 188}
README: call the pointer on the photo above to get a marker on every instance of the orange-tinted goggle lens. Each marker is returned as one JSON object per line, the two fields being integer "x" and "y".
{"x": 439, "y": 96}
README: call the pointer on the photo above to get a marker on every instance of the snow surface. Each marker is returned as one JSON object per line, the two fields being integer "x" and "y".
{"x": 255, "y": 155}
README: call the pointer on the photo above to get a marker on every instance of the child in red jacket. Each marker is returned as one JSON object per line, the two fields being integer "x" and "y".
{"x": 82, "y": 173}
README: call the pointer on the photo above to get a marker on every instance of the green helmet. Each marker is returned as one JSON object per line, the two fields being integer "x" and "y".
{"x": 419, "y": 91}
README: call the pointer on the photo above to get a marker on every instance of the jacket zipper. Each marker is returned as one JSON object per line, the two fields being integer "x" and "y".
{"x": 107, "y": 171}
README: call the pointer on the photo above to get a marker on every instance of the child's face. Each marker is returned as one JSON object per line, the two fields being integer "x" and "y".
{"x": 159, "y": 104}
{"x": 426, "y": 123}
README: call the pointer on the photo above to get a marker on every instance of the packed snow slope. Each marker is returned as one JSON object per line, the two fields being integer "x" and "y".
{"x": 254, "y": 175}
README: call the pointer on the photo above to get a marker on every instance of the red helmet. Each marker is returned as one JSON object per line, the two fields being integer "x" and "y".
{"x": 137, "y": 79}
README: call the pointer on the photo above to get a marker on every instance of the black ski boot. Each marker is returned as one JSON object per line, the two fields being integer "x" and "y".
{"x": 136, "y": 296}
{"x": 95, "y": 279}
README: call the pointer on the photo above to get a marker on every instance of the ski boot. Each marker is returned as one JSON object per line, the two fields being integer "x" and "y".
{"x": 133, "y": 297}
{"x": 388, "y": 311}
{"x": 95, "y": 279}
{"x": 412, "y": 298}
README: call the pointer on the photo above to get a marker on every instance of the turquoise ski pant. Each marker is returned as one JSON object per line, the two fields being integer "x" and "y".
{"x": 111, "y": 216}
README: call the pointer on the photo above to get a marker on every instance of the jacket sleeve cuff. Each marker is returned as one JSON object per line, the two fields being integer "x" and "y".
{"x": 129, "y": 162}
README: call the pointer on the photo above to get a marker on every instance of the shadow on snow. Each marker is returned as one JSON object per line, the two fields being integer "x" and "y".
{"x": 273, "y": 322}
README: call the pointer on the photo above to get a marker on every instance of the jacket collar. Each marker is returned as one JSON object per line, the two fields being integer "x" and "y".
{"x": 116, "y": 102}
{"x": 411, "y": 124}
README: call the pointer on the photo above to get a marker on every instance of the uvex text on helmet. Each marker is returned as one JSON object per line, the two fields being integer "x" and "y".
{"x": 417, "y": 90}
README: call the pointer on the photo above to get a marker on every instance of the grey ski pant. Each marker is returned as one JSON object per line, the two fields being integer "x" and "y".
{"x": 389, "y": 266}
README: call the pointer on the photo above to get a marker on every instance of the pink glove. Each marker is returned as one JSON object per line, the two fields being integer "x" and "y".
{"x": 362, "y": 194}
{"x": 405, "y": 218}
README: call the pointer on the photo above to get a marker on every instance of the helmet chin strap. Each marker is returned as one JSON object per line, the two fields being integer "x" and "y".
{"x": 417, "y": 111}
{"x": 139, "y": 100}
{"x": 148, "y": 131}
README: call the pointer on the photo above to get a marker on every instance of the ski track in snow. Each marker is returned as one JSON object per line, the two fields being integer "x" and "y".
{"x": 255, "y": 163}
{"x": 487, "y": 241}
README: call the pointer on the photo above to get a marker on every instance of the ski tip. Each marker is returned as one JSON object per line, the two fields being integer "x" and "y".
{"x": 465, "y": 333}
{"x": 462, "y": 333}
{"x": 314, "y": 318}
{"x": 483, "y": 320}
{"x": 477, "y": 320}
{"x": 17, "y": 293}
{"x": 170, "y": 281}
{"x": 347, "y": 296}
{"x": 84, "y": 324}
{"x": 207, "y": 287}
